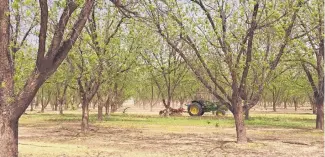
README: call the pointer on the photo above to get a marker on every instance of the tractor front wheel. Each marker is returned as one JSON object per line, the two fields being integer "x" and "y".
{"x": 195, "y": 109}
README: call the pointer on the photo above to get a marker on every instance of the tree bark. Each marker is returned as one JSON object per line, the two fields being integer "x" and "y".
{"x": 85, "y": 116}
{"x": 295, "y": 103}
{"x": 246, "y": 111}
{"x": 100, "y": 112}
{"x": 247, "y": 114}
{"x": 240, "y": 125}
{"x": 8, "y": 130}
{"x": 312, "y": 103}
{"x": 42, "y": 109}
{"x": 151, "y": 101}
{"x": 56, "y": 104}
{"x": 314, "y": 108}
{"x": 42, "y": 101}
{"x": 106, "y": 109}
{"x": 8, "y": 136}
{"x": 61, "y": 108}
{"x": 32, "y": 105}
{"x": 274, "y": 106}
{"x": 320, "y": 112}
{"x": 107, "y": 105}
{"x": 36, "y": 102}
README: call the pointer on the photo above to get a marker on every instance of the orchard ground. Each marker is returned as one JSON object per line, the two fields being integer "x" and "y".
{"x": 141, "y": 133}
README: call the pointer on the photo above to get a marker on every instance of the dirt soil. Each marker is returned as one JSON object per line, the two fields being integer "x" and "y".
{"x": 65, "y": 140}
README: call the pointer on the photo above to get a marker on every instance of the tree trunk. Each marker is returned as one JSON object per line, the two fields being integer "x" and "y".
{"x": 32, "y": 105}
{"x": 151, "y": 101}
{"x": 42, "y": 109}
{"x": 8, "y": 136}
{"x": 295, "y": 103}
{"x": 312, "y": 103}
{"x": 247, "y": 114}
{"x": 167, "y": 112}
{"x": 240, "y": 125}
{"x": 115, "y": 107}
{"x": 85, "y": 116}
{"x": 100, "y": 112}
{"x": 320, "y": 112}
{"x": 112, "y": 107}
{"x": 274, "y": 106}
{"x": 13, "y": 106}
{"x": 36, "y": 102}
{"x": 285, "y": 104}
{"x": 246, "y": 111}
{"x": 56, "y": 104}
{"x": 106, "y": 109}
{"x": 42, "y": 101}
{"x": 314, "y": 108}
{"x": 61, "y": 108}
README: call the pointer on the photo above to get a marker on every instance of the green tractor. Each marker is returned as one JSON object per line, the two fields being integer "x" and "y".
{"x": 199, "y": 107}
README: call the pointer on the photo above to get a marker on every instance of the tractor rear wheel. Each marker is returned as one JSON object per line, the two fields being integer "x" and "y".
{"x": 195, "y": 109}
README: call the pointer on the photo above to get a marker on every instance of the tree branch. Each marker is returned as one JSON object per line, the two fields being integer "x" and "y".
{"x": 42, "y": 34}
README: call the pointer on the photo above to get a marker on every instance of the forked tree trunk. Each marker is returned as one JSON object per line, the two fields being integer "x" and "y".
{"x": 8, "y": 136}
{"x": 85, "y": 116}
{"x": 239, "y": 122}
{"x": 320, "y": 112}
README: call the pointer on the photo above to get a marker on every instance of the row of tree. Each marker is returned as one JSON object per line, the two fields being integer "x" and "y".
{"x": 241, "y": 52}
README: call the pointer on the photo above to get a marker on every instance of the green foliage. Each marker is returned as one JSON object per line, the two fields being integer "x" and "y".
{"x": 137, "y": 57}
